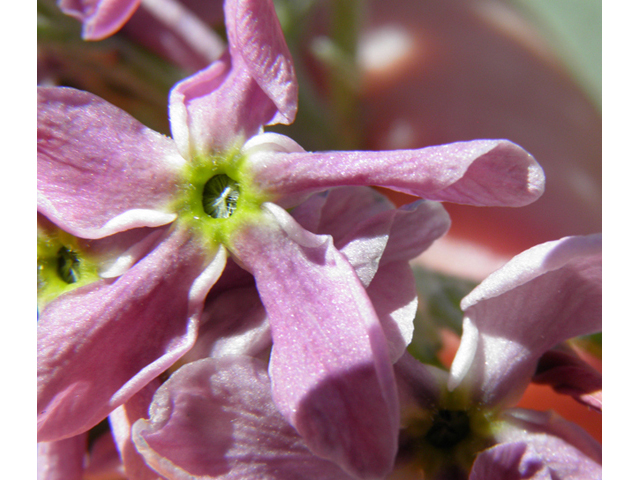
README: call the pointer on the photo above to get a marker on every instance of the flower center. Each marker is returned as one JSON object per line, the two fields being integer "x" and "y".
{"x": 220, "y": 196}
{"x": 68, "y": 265}
{"x": 449, "y": 428}
{"x": 64, "y": 263}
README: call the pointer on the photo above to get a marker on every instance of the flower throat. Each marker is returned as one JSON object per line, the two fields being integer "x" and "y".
{"x": 220, "y": 196}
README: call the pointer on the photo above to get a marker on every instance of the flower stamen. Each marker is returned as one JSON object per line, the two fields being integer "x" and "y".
{"x": 220, "y": 196}
{"x": 68, "y": 265}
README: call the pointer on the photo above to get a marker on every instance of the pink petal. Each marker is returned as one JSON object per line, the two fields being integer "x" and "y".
{"x": 548, "y": 294}
{"x": 415, "y": 227}
{"x": 250, "y": 86}
{"x": 62, "y": 459}
{"x": 541, "y": 446}
{"x": 395, "y": 300}
{"x": 216, "y": 419}
{"x": 121, "y": 421}
{"x": 233, "y": 323}
{"x": 569, "y": 374}
{"x": 330, "y": 368}
{"x": 100, "y": 18}
{"x": 101, "y": 343}
{"x": 335, "y": 212}
{"x": 103, "y": 459}
{"x": 480, "y": 172}
{"x": 255, "y": 35}
{"x": 100, "y": 171}
{"x": 358, "y": 219}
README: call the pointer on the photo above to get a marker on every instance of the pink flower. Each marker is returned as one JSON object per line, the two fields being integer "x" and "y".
{"x": 468, "y": 430}
{"x": 220, "y": 188}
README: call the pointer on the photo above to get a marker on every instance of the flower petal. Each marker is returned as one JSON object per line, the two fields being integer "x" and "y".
{"x": 216, "y": 418}
{"x": 251, "y": 85}
{"x": 545, "y": 295}
{"x": 569, "y": 374}
{"x": 101, "y": 343}
{"x": 358, "y": 219}
{"x": 415, "y": 227}
{"x": 395, "y": 300}
{"x": 62, "y": 459}
{"x": 255, "y": 34}
{"x": 541, "y": 446}
{"x": 233, "y": 323}
{"x": 480, "y": 172}
{"x": 100, "y": 171}
{"x": 330, "y": 368}
{"x": 121, "y": 421}
{"x": 100, "y": 18}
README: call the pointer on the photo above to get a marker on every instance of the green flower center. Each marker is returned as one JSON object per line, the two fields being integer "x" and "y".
{"x": 449, "y": 428}
{"x": 217, "y": 197}
{"x": 445, "y": 438}
{"x": 64, "y": 264}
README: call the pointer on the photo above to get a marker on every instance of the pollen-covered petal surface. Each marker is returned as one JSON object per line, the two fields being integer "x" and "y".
{"x": 330, "y": 369}
{"x": 101, "y": 343}
{"x": 554, "y": 288}
{"x": 479, "y": 172}
{"x": 100, "y": 18}
{"x": 100, "y": 171}
{"x": 215, "y": 418}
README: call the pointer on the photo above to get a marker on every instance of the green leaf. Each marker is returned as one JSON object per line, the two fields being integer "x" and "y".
{"x": 574, "y": 29}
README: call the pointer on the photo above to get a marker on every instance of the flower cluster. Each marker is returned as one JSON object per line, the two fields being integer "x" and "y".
{"x": 238, "y": 307}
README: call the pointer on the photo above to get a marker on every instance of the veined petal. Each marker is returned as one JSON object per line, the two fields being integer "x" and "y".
{"x": 479, "y": 172}
{"x": 255, "y": 35}
{"x": 214, "y": 418}
{"x": 567, "y": 373}
{"x": 100, "y": 18}
{"x": 101, "y": 343}
{"x": 251, "y": 85}
{"x": 539, "y": 445}
{"x": 553, "y": 290}
{"x": 100, "y": 171}
{"x": 330, "y": 369}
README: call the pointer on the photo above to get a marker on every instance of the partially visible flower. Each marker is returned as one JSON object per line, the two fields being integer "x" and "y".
{"x": 470, "y": 431}
{"x": 220, "y": 188}
{"x": 542, "y": 297}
